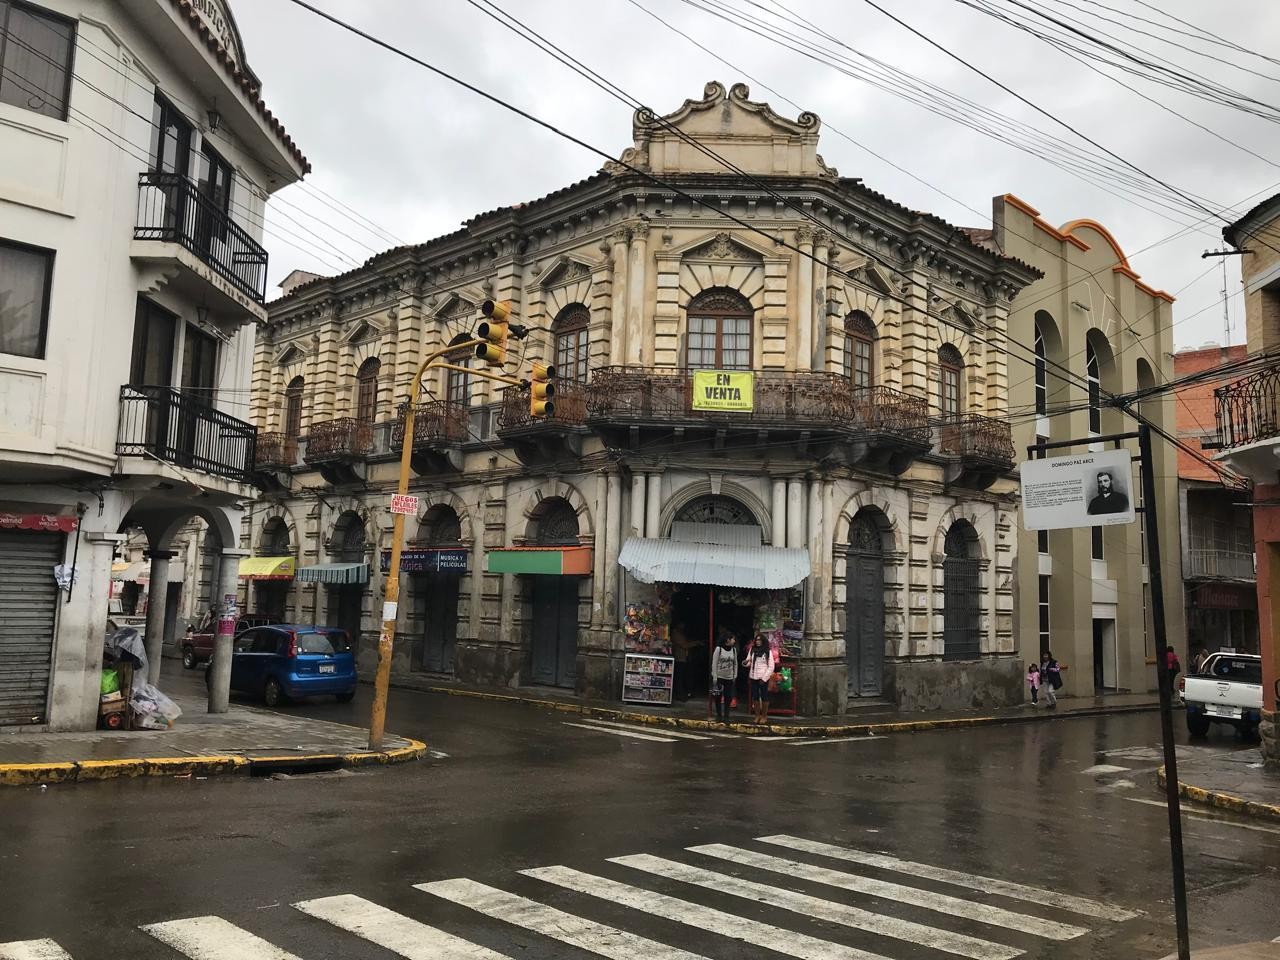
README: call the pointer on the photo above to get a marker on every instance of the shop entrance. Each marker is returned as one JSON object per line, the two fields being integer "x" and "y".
{"x": 555, "y": 630}
{"x": 700, "y": 614}
{"x": 1104, "y": 655}
{"x": 439, "y": 592}
{"x": 864, "y": 607}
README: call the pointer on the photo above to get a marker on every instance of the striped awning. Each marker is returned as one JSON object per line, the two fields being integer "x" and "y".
{"x": 556, "y": 561}
{"x": 339, "y": 574}
{"x": 267, "y": 568}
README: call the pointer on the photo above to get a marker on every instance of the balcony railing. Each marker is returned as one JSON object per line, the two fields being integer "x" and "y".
{"x": 1220, "y": 564}
{"x": 570, "y": 403}
{"x": 974, "y": 436}
{"x": 434, "y": 421}
{"x": 172, "y": 208}
{"x": 345, "y": 438}
{"x": 276, "y": 451}
{"x": 164, "y": 424}
{"x": 1249, "y": 409}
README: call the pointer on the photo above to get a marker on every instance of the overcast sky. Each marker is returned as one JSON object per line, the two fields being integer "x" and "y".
{"x": 416, "y": 155}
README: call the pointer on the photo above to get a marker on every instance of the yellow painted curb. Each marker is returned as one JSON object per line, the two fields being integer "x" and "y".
{"x": 23, "y": 774}
{"x": 1222, "y": 801}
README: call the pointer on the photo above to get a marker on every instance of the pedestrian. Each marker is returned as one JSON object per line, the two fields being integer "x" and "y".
{"x": 724, "y": 673}
{"x": 760, "y": 664}
{"x": 1050, "y": 679}
{"x": 1198, "y": 659}
{"x": 1033, "y": 681}
{"x": 1175, "y": 668}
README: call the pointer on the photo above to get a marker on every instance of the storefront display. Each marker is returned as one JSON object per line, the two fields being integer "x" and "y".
{"x": 647, "y": 679}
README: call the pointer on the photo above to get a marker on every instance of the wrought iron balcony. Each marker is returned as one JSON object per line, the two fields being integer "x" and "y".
{"x": 276, "y": 451}
{"x": 344, "y": 438}
{"x": 172, "y": 209}
{"x": 163, "y": 424}
{"x": 1214, "y": 564}
{"x": 544, "y": 439}
{"x": 1249, "y": 409}
{"x": 981, "y": 448}
{"x": 439, "y": 429}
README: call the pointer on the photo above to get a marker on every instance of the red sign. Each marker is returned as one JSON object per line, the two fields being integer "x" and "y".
{"x": 40, "y": 522}
{"x": 1224, "y": 596}
{"x": 404, "y": 503}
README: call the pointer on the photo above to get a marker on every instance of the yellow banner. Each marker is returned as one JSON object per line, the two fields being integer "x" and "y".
{"x": 724, "y": 390}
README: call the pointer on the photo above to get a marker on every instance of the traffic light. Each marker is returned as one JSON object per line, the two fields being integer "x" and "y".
{"x": 494, "y": 331}
{"x": 541, "y": 390}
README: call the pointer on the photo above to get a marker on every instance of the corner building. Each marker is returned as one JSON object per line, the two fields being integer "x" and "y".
{"x": 858, "y": 502}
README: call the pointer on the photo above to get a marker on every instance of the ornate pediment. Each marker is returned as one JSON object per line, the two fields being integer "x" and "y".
{"x": 290, "y": 353}
{"x": 564, "y": 270}
{"x": 871, "y": 275}
{"x": 721, "y": 246}
{"x": 364, "y": 330}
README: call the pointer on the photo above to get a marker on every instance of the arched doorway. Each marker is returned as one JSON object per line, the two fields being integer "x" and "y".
{"x": 347, "y": 599}
{"x": 864, "y": 606}
{"x": 554, "y": 646}
{"x": 272, "y": 596}
{"x": 961, "y": 594}
{"x": 437, "y": 591}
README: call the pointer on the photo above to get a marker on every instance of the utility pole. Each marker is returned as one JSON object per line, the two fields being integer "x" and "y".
{"x": 1226, "y": 310}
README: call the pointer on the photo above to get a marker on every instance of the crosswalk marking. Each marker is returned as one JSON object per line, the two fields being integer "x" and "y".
{"x": 704, "y": 918}
{"x": 593, "y": 937}
{"x": 32, "y": 950}
{"x": 939, "y": 902}
{"x": 1003, "y": 888}
{"x": 1163, "y": 805}
{"x": 395, "y": 932}
{"x": 957, "y": 943}
{"x": 656, "y": 731}
{"x": 620, "y": 733}
{"x": 212, "y": 938}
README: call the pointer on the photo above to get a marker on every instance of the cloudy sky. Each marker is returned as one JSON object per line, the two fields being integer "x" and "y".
{"x": 400, "y": 154}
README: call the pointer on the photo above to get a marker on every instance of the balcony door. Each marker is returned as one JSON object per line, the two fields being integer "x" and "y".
{"x": 171, "y": 154}
{"x": 196, "y": 436}
{"x": 719, "y": 335}
{"x": 213, "y": 188}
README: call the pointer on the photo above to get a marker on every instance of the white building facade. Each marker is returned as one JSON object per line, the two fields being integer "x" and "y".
{"x": 138, "y": 157}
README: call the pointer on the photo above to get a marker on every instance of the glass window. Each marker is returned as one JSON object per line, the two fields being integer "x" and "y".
{"x": 367, "y": 390}
{"x": 199, "y": 364}
{"x": 1044, "y": 614}
{"x": 293, "y": 408}
{"x": 35, "y": 59}
{"x": 859, "y": 349}
{"x": 1095, "y": 543}
{"x": 170, "y": 139}
{"x": 1092, "y": 374}
{"x": 457, "y": 384}
{"x": 572, "y": 342}
{"x": 719, "y": 331}
{"x": 266, "y": 641}
{"x": 1042, "y": 372}
{"x": 25, "y": 276}
{"x": 951, "y": 365}
{"x": 326, "y": 641}
{"x": 213, "y": 183}
{"x": 154, "y": 333}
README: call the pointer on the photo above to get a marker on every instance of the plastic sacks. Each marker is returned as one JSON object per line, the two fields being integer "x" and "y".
{"x": 152, "y": 710}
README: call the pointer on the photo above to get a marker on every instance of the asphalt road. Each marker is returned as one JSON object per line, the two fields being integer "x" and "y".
{"x": 1065, "y": 806}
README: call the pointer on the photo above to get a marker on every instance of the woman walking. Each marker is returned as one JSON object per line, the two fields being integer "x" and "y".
{"x": 760, "y": 663}
{"x": 1050, "y": 679}
{"x": 724, "y": 673}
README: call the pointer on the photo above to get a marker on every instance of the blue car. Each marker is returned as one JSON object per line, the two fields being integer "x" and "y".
{"x": 289, "y": 661}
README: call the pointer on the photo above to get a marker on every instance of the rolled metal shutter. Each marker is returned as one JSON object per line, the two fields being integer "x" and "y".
{"x": 28, "y": 607}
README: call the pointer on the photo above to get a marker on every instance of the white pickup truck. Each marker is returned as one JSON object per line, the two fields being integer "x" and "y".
{"x": 1228, "y": 689}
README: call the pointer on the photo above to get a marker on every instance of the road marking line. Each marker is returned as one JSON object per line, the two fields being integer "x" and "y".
{"x": 1003, "y": 888}
{"x": 657, "y": 731}
{"x": 805, "y": 905}
{"x": 394, "y": 931}
{"x": 1203, "y": 819}
{"x": 212, "y": 938}
{"x": 703, "y": 918}
{"x": 619, "y": 733}
{"x": 939, "y": 902}
{"x": 577, "y": 932}
{"x": 810, "y": 743}
{"x": 1101, "y": 768}
{"x": 32, "y": 950}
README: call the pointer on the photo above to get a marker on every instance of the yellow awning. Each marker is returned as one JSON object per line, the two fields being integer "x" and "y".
{"x": 267, "y": 568}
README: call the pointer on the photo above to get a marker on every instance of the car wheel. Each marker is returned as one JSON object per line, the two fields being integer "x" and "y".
{"x": 1197, "y": 724}
{"x": 189, "y": 660}
{"x": 273, "y": 694}
{"x": 346, "y": 697}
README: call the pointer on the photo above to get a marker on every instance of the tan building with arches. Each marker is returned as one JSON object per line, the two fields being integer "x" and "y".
{"x": 871, "y": 471}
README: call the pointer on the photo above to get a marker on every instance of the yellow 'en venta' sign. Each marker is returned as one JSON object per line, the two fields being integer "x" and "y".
{"x": 724, "y": 390}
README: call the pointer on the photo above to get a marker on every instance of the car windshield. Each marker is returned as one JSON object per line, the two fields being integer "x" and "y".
{"x": 1238, "y": 669}
{"x": 322, "y": 641}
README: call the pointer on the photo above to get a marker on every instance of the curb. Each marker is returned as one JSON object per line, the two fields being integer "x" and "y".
{"x": 1223, "y": 801}
{"x": 772, "y": 729}
{"x": 84, "y": 771}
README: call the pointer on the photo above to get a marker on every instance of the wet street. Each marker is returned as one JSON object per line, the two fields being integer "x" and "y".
{"x": 1035, "y": 840}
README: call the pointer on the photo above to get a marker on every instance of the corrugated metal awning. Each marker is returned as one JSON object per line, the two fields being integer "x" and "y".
{"x": 140, "y": 571}
{"x": 718, "y": 564}
{"x": 335, "y": 573}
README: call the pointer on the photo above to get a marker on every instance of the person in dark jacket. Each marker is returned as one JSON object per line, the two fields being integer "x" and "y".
{"x": 724, "y": 673}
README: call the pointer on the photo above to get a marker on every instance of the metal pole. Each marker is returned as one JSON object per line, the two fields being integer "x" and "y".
{"x": 1150, "y": 505}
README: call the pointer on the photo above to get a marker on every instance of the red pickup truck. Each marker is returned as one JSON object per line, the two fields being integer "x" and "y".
{"x": 197, "y": 645}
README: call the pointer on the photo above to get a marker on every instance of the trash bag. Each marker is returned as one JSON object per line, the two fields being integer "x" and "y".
{"x": 125, "y": 644}
{"x": 110, "y": 680}
{"x": 153, "y": 709}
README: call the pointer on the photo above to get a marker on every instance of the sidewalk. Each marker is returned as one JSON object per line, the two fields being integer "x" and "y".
{"x": 243, "y": 740}
{"x": 1235, "y": 781}
{"x": 878, "y": 717}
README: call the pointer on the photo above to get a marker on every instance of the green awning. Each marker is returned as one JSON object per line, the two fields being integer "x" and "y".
{"x": 557, "y": 561}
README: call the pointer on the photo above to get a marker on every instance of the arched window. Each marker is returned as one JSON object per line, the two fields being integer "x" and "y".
{"x": 572, "y": 340}
{"x": 348, "y": 543}
{"x": 1042, "y": 373}
{"x": 293, "y": 408}
{"x": 275, "y": 538}
{"x": 457, "y": 385}
{"x": 859, "y": 349}
{"x": 1093, "y": 374}
{"x": 557, "y": 523}
{"x": 719, "y": 331}
{"x": 715, "y": 508}
{"x": 951, "y": 385}
{"x": 367, "y": 390}
{"x": 440, "y": 526}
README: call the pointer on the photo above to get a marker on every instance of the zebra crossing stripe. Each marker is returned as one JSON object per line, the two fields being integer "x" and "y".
{"x": 704, "y": 918}
{"x": 32, "y": 950}
{"x": 212, "y": 938}
{"x": 938, "y": 902}
{"x": 393, "y": 931}
{"x": 957, "y": 943}
{"x": 654, "y": 731}
{"x": 585, "y": 934}
{"x": 619, "y": 733}
{"x": 1003, "y": 888}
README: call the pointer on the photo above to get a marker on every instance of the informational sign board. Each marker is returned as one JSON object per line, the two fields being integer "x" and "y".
{"x": 432, "y": 560}
{"x": 731, "y": 390}
{"x": 647, "y": 678}
{"x": 404, "y": 503}
{"x": 1086, "y": 490}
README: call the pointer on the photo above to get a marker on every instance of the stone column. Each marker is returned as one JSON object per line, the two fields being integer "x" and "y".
{"x": 220, "y": 667}
{"x": 637, "y": 503}
{"x": 613, "y": 517}
{"x": 795, "y": 513}
{"x": 637, "y": 272}
{"x": 600, "y": 548}
{"x": 821, "y": 249}
{"x": 804, "y": 299}
{"x": 653, "y": 505}
{"x": 817, "y": 589}
{"x": 778, "y": 525}
{"x": 476, "y": 607}
{"x": 618, "y": 303}
{"x": 157, "y": 597}
{"x": 828, "y": 555}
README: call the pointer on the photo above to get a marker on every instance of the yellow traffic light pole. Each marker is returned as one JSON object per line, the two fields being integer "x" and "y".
{"x": 390, "y": 607}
